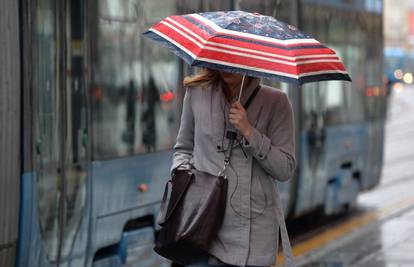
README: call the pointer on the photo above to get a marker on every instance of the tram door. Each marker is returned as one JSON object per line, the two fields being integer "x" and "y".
{"x": 75, "y": 161}
{"x": 312, "y": 142}
{"x": 59, "y": 130}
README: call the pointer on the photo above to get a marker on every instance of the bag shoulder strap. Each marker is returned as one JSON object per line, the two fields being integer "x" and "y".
{"x": 232, "y": 135}
{"x": 251, "y": 97}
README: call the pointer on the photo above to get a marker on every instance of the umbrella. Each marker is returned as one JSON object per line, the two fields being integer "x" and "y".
{"x": 250, "y": 44}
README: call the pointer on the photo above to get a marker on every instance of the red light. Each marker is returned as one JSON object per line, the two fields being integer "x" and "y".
{"x": 142, "y": 187}
{"x": 167, "y": 96}
{"x": 369, "y": 91}
{"x": 373, "y": 91}
{"x": 97, "y": 93}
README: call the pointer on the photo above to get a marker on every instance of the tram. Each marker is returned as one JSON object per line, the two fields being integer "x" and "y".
{"x": 90, "y": 110}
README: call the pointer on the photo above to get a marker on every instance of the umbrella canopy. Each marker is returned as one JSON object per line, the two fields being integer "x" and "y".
{"x": 250, "y": 44}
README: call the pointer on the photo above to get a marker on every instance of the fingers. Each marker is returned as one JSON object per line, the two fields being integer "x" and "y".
{"x": 235, "y": 122}
{"x": 237, "y": 108}
{"x": 235, "y": 116}
{"x": 235, "y": 111}
{"x": 237, "y": 105}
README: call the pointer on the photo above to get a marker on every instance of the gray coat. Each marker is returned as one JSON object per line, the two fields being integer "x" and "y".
{"x": 252, "y": 175}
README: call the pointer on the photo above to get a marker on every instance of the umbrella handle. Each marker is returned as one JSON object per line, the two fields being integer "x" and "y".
{"x": 241, "y": 87}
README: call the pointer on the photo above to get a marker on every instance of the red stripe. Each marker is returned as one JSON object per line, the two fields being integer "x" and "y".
{"x": 242, "y": 60}
{"x": 263, "y": 48}
{"x": 188, "y": 44}
{"x": 324, "y": 66}
{"x": 300, "y": 69}
{"x": 275, "y": 56}
{"x": 191, "y": 27}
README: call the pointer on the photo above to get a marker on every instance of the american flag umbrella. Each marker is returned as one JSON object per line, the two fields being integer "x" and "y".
{"x": 250, "y": 44}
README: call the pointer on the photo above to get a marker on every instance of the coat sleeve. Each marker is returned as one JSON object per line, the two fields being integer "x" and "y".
{"x": 183, "y": 148}
{"x": 276, "y": 152}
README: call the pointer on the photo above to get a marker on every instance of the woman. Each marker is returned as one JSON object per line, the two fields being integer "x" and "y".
{"x": 262, "y": 154}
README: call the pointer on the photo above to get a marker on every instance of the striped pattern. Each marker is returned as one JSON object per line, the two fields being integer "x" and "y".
{"x": 201, "y": 42}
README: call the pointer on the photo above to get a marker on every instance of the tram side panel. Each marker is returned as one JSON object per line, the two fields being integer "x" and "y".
{"x": 10, "y": 130}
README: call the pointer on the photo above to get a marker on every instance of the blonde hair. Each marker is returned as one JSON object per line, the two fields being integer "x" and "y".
{"x": 208, "y": 77}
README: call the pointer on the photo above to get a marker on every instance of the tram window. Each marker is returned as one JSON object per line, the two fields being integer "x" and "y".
{"x": 134, "y": 81}
{"x": 333, "y": 98}
{"x": 324, "y": 103}
{"x": 354, "y": 101}
{"x": 310, "y": 105}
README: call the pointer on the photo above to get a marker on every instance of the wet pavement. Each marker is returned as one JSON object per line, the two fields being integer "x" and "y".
{"x": 380, "y": 232}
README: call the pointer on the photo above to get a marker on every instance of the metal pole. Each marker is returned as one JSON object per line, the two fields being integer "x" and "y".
{"x": 241, "y": 87}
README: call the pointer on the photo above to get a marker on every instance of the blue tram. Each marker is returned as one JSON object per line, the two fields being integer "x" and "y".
{"x": 97, "y": 113}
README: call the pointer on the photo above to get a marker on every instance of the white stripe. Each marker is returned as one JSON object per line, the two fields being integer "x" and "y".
{"x": 208, "y": 42}
{"x": 187, "y": 30}
{"x": 317, "y": 55}
{"x": 174, "y": 42}
{"x": 253, "y": 36}
{"x": 318, "y": 61}
{"x": 242, "y": 66}
{"x": 323, "y": 72}
{"x": 182, "y": 33}
{"x": 244, "y": 54}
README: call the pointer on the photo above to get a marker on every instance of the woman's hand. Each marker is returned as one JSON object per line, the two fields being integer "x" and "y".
{"x": 238, "y": 118}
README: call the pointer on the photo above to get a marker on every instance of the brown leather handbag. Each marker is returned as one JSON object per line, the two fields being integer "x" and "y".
{"x": 193, "y": 217}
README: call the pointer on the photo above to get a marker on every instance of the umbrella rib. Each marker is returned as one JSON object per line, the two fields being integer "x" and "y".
{"x": 241, "y": 87}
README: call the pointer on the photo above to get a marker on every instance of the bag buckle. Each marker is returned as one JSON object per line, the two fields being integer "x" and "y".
{"x": 226, "y": 162}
